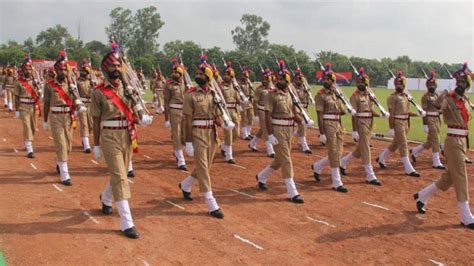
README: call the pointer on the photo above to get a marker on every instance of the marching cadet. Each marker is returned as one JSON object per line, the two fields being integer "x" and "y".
{"x": 399, "y": 109}
{"x": 280, "y": 118}
{"x": 456, "y": 117}
{"x": 115, "y": 136}
{"x": 329, "y": 109}
{"x": 156, "y": 86}
{"x": 84, "y": 86}
{"x": 259, "y": 110}
{"x": 233, "y": 103}
{"x": 248, "y": 113}
{"x": 173, "y": 95}
{"x": 59, "y": 110}
{"x": 3, "y": 74}
{"x": 27, "y": 103}
{"x": 8, "y": 87}
{"x": 201, "y": 114}
{"x": 304, "y": 98}
{"x": 362, "y": 124}
{"x": 431, "y": 124}
{"x": 141, "y": 79}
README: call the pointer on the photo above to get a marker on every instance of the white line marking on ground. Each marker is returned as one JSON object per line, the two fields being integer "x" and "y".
{"x": 248, "y": 242}
{"x": 51, "y": 138}
{"x": 437, "y": 262}
{"x": 58, "y": 188}
{"x": 33, "y": 166}
{"x": 321, "y": 222}
{"x": 145, "y": 263}
{"x": 242, "y": 193}
{"x": 174, "y": 204}
{"x": 148, "y": 157}
{"x": 130, "y": 181}
{"x": 4, "y": 140}
{"x": 15, "y": 150}
{"x": 86, "y": 213}
{"x": 299, "y": 184}
{"x": 239, "y": 166}
{"x": 375, "y": 205}
{"x": 185, "y": 171}
{"x": 94, "y": 162}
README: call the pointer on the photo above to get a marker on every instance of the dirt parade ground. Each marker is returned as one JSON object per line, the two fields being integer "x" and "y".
{"x": 44, "y": 222}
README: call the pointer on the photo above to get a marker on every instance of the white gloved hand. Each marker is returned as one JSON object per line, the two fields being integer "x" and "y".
{"x": 387, "y": 115}
{"x": 426, "y": 129}
{"x": 97, "y": 153}
{"x": 146, "y": 120}
{"x": 229, "y": 126}
{"x": 355, "y": 136}
{"x": 45, "y": 125}
{"x": 189, "y": 149}
{"x": 322, "y": 139}
{"x": 309, "y": 124}
{"x": 257, "y": 120}
{"x": 17, "y": 114}
{"x": 391, "y": 132}
{"x": 167, "y": 124}
{"x": 82, "y": 109}
{"x": 239, "y": 108}
{"x": 272, "y": 139}
{"x": 423, "y": 113}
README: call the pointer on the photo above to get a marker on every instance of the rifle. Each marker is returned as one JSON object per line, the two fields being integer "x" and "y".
{"x": 372, "y": 96}
{"x": 424, "y": 73}
{"x": 410, "y": 98}
{"x": 307, "y": 88}
{"x": 132, "y": 86}
{"x": 216, "y": 93}
{"x": 72, "y": 86}
{"x": 339, "y": 93}
{"x": 243, "y": 97}
{"x": 296, "y": 100}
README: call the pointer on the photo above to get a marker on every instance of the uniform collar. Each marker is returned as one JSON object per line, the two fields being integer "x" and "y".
{"x": 282, "y": 91}
{"x": 113, "y": 84}
{"x": 204, "y": 88}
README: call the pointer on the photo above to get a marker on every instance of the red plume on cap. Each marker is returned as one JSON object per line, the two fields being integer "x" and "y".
{"x": 115, "y": 47}
{"x": 361, "y": 70}
{"x": 62, "y": 55}
{"x": 26, "y": 61}
{"x": 282, "y": 63}
{"x": 399, "y": 74}
{"x": 202, "y": 58}
{"x": 229, "y": 63}
{"x": 433, "y": 74}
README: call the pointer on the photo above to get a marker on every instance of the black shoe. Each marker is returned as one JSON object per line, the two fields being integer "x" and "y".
{"x": 231, "y": 161}
{"x": 340, "y": 189}
{"x": 382, "y": 166}
{"x": 252, "y": 149}
{"x": 308, "y": 151}
{"x": 223, "y": 152}
{"x": 105, "y": 209}
{"x": 374, "y": 182}
{"x": 6, "y": 105}
{"x": 342, "y": 171}
{"x": 248, "y": 138}
{"x": 271, "y": 155}
{"x": 186, "y": 195}
{"x": 415, "y": 174}
{"x": 30, "y": 155}
{"x": 441, "y": 167}
{"x": 57, "y": 169}
{"x": 67, "y": 182}
{"x": 217, "y": 214}
{"x": 420, "y": 206}
{"x": 413, "y": 158}
{"x": 131, "y": 174}
{"x": 470, "y": 226}
{"x": 467, "y": 160}
{"x": 251, "y": 136}
{"x": 316, "y": 176}
{"x": 261, "y": 186}
{"x": 87, "y": 151}
{"x": 183, "y": 167}
{"x": 131, "y": 233}
{"x": 297, "y": 199}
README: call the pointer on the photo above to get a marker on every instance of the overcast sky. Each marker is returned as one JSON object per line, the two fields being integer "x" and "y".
{"x": 424, "y": 30}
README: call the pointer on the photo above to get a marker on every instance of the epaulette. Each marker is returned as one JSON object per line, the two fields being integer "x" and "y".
{"x": 356, "y": 93}
{"x": 169, "y": 81}
{"x": 100, "y": 85}
{"x": 272, "y": 91}
{"x": 321, "y": 91}
{"x": 191, "y": 89}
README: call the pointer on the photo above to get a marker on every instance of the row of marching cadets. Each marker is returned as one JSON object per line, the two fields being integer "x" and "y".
{"x": 193, "y": 112}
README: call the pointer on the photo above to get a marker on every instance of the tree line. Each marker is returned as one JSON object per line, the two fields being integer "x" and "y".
{"x": 138, "y": 35}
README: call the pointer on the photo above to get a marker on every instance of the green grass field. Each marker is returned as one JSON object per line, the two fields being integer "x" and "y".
{"x": 380, "y": 125}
